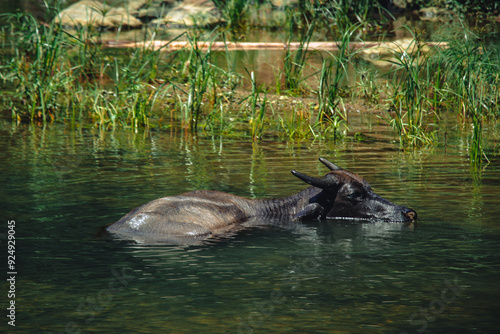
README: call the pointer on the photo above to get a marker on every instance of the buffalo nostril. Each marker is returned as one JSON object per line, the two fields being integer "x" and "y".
{"x": 411, "y": 214}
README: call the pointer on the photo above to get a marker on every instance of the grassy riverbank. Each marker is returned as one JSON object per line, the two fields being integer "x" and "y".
{"x": 53, "y": 75}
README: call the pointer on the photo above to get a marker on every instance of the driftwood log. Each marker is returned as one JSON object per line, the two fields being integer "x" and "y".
{"x": 246, "y": 46}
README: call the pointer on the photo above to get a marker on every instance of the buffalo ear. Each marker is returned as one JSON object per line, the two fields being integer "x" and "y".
{"x": 329, "y": 164}
{"x": 327, "y": 182}
{"x": 311, "y": 211}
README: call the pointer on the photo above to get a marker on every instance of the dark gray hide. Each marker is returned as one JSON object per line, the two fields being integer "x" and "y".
{"x": 200, "y": 214}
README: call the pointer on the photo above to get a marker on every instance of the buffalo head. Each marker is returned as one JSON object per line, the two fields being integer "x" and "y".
{"x": 346, "y": 195}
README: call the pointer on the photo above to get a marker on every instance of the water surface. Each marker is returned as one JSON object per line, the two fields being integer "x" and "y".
{"x": 61, "y": 185}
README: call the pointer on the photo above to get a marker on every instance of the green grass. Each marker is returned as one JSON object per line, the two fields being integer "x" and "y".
{"x": 294, "y": 61}
{"x": 460, "y": 78}
{"x": 408, "y": 100}
{"x": 42, "y": 81}
{"x": 206, "y": 83}
{"x": 471, "y": 81}
{"x": 258, "y": 107}
{"x": 333, "y": 75}
{"x": 51, "y": 75}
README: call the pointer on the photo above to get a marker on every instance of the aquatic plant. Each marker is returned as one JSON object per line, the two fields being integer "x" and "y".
{"x": 54, "y": 72}
{"x": 258, "y": 107}
{"x": 470, "y": 81}
{"x": 367, "y": 86}
{"x": 332, "y": 82}
{"x": 135, "y": 84}
{"x": 205, "y": 79}
{"x": 460, "y": 77}
{"x": 37, "y": 70}
{"x": 199, "y": 75}
{"x": 294, "y": 61}
{"x": 296, "y": 123}
{"x": 332, "y": 75}
{"x": 51, "y": 74}
{"x": 409, "y": 94}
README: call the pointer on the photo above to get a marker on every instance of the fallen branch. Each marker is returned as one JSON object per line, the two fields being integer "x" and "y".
{"x": 155, "y": 45}
{"x": 369, "y": 47}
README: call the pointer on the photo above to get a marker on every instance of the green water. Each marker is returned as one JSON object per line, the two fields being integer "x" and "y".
{"x": 60, "y": 185}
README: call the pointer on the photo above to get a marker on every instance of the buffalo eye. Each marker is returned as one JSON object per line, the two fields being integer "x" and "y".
{"x": 355, "y": 196}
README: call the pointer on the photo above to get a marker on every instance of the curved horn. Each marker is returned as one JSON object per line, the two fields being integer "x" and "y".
{"x": 325, "y": 182}
{"x": 329, "y": 164}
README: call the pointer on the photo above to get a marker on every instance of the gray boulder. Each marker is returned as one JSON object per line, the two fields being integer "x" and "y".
{"x": 92, "y": 13}
{"x": 191, "y": 13}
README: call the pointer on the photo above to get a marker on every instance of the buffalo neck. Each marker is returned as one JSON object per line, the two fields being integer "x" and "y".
{"x": 286, "y": 207}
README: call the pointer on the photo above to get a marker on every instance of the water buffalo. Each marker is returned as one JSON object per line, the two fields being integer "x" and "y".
{"x": 200, "y": 214}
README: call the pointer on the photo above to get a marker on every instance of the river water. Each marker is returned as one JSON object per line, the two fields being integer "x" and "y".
{"x": 61, "y": 184}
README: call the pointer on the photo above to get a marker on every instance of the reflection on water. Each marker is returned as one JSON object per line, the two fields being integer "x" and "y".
{"x": 60, "y": 185}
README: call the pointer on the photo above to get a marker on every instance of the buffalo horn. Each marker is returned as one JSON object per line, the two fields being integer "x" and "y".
{"x": 324, "y": 183}
{"x": 329, "y": 164}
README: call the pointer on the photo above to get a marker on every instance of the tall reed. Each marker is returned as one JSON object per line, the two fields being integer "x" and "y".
{"x": 333, "y": 74}
{"x": 471, "y": 81}
{"x": 205, "y": 79}
{"x": 409, "y": 94}
{"x": 333, "y": 78}
{"x": 258, "y": 107}
{"x": 296, "y": 124}
{"x": 38, "y": 70}
{"x": 136, "y": 83}
{"x": 294, "y": 61}
{"x": 339, "y": 15}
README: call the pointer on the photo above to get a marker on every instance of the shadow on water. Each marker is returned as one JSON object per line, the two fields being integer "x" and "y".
{"x": 60, "y": 185}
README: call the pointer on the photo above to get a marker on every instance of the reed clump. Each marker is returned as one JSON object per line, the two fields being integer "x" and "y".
{"x": 294, "y": 62}
{"x": 469, "y": 81}
{"x": 258, "y": 106}
{"x": 54, "y": 75}
{"x": 39, "y": 69}
{"x": 409, "y": 94}
{"x": 333, "y": 77}
{"x": 430, "y": 83}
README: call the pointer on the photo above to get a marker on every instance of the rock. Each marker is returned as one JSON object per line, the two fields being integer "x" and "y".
{"x": 190, "y": 13}
{"x": 383, "y": 52}
{"x": 400, "y": 4}
{"x": 134, "y": 6}
{"x": 91, "y": 13}
{"x": 153, "y": 9}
